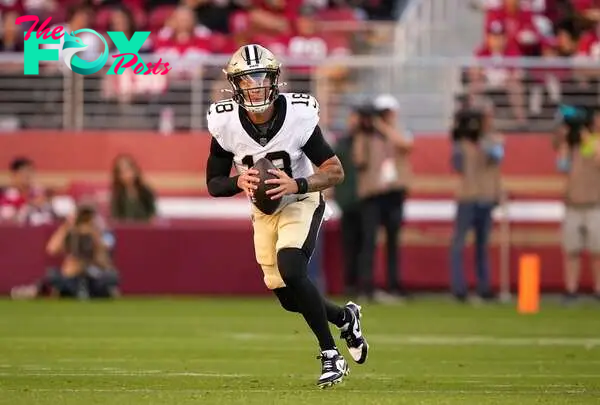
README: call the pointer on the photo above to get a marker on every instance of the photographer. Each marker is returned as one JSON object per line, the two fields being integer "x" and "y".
{"x": 476, "y": 157}
{"x": 87, "y": 270}
{"x": 578, "y": 150}
{"x": 380, "y": 154}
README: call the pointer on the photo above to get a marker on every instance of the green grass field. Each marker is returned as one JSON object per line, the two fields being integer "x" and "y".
{"x": 233, "y": 351}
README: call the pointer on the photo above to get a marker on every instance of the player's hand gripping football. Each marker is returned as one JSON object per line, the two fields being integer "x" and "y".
{"x": 248, "y": 181}
{"x": 286, "y": 184}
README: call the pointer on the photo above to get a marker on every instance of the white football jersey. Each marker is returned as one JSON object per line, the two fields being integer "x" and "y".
{"x": 285, "y": 147}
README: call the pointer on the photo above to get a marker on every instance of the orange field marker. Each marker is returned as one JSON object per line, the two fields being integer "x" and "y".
{"x": 529, "y": 284}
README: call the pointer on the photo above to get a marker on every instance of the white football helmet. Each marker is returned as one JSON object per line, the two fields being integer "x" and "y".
{"x": 253, "y": 72}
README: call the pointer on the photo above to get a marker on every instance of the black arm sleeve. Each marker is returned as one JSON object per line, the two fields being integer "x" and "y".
{"x": 218, "y": 168}
{"x": 317, "y": 149}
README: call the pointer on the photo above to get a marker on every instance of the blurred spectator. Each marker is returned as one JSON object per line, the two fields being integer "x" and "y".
{"x": 267, "y": 16}
{"x": 379, "y": 151}
{"x": 588, "y": 75}
{"x": 211, "y": 14}
{"x": 589, "y": 9}
{"x": 78, "y": 17}
{"x": 87, "y": 270}
{"x": 156, "y": 3}
{"x": 380, "y": 10}
{"x": 346, "y": 198}
{"x": 12, "y": 35}
{"x": 477, "y": 154}
{"x": 389, "y": 108}
{"x": 131, "y": 198}
{"x": 127, "y": 85}
{"x": 566, "y": 40}
{"x": 589, "y": 45}
{"x": 122, "y": 20}
{"x": 518, "y": 26}
{"x": 553, "y": 82}
{"x": 12, "y": 6}
{"x": 494, "y": 77}
{"x": 579, "y": 158}
{"x": 21, "y": 190}
{"x": 182, "y": 42}
{"x": 307, "y": 43}
{"x": 38, "y": 210}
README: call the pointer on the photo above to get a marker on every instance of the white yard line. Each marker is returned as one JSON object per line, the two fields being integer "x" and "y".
{"x": 44, "y": 371}
{"x": 383, "y": 339}
{"x": 446, "y": 340}
{"x": 167, "y": 360}
{"x": 123, "y": 373}
{"x": 499, "y": 391}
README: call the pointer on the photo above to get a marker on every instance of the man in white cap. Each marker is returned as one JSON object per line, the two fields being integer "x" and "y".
{"x": 381, "y": 154}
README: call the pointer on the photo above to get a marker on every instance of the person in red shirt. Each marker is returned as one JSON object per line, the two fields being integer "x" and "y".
{"x": 590, "y": 9}
{"x": 498, "y": 77}
{"x": 589, "y": 52}
{"x": 306, "y": 43}
{"x": 518, "y": 25}
{"x": 12, "y": 6}
{"x": 589, "y": 45}
{"x": 21, "y": 190}
{"x": 274, "y": 17}
{"x": 182, "y": 40}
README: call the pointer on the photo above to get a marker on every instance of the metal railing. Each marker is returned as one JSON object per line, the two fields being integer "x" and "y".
{"x": 59, "y": 99}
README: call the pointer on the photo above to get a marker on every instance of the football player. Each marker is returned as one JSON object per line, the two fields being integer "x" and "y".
{"x": 259, "y": 121}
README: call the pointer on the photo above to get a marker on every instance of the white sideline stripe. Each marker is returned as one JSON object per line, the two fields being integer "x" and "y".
{"x": 163, "y": 360}
{"x": 384, "y": 339}
{"x": 501, "y": 390}
{"x": 416, "y": 210}
{"x": 466, "y": 378}
{"x": 107, "y": 373}
{"x": 433, "y": 340}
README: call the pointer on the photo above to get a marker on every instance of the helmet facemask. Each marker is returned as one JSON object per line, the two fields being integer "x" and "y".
{"x": 255, "y": 91}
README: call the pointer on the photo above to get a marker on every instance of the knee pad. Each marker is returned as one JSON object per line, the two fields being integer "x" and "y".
{"x": 292, "y": 264}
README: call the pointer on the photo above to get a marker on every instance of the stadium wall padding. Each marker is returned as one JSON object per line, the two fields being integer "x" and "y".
{"x": 177, "y": 162}
{"x": 216, "y": 256}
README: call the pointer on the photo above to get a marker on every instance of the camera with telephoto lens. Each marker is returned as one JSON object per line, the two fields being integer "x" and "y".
{"x": 575, "y": 118}
{"x": 80, "y": 241}
{"x": 468, "y": 123}
{"x": 366, "y": 114}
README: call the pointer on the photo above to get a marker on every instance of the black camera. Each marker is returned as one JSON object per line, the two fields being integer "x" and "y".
{"x": 85, "y": 214}
{"x": 79, "y": 241}
{"x": 366, "y": 114}
{"x": 575, "y": 118}
{"x": 468, "y": 124}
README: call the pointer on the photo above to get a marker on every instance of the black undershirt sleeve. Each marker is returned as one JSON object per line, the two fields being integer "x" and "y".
{"x": 218, "y": 168}
{"x": 317, "y": 149}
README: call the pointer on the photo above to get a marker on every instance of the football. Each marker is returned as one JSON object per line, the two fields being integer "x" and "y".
{"x": 261, "y": 200}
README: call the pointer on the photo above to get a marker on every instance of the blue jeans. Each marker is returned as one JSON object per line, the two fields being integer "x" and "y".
{"x": 476, "y": 215}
